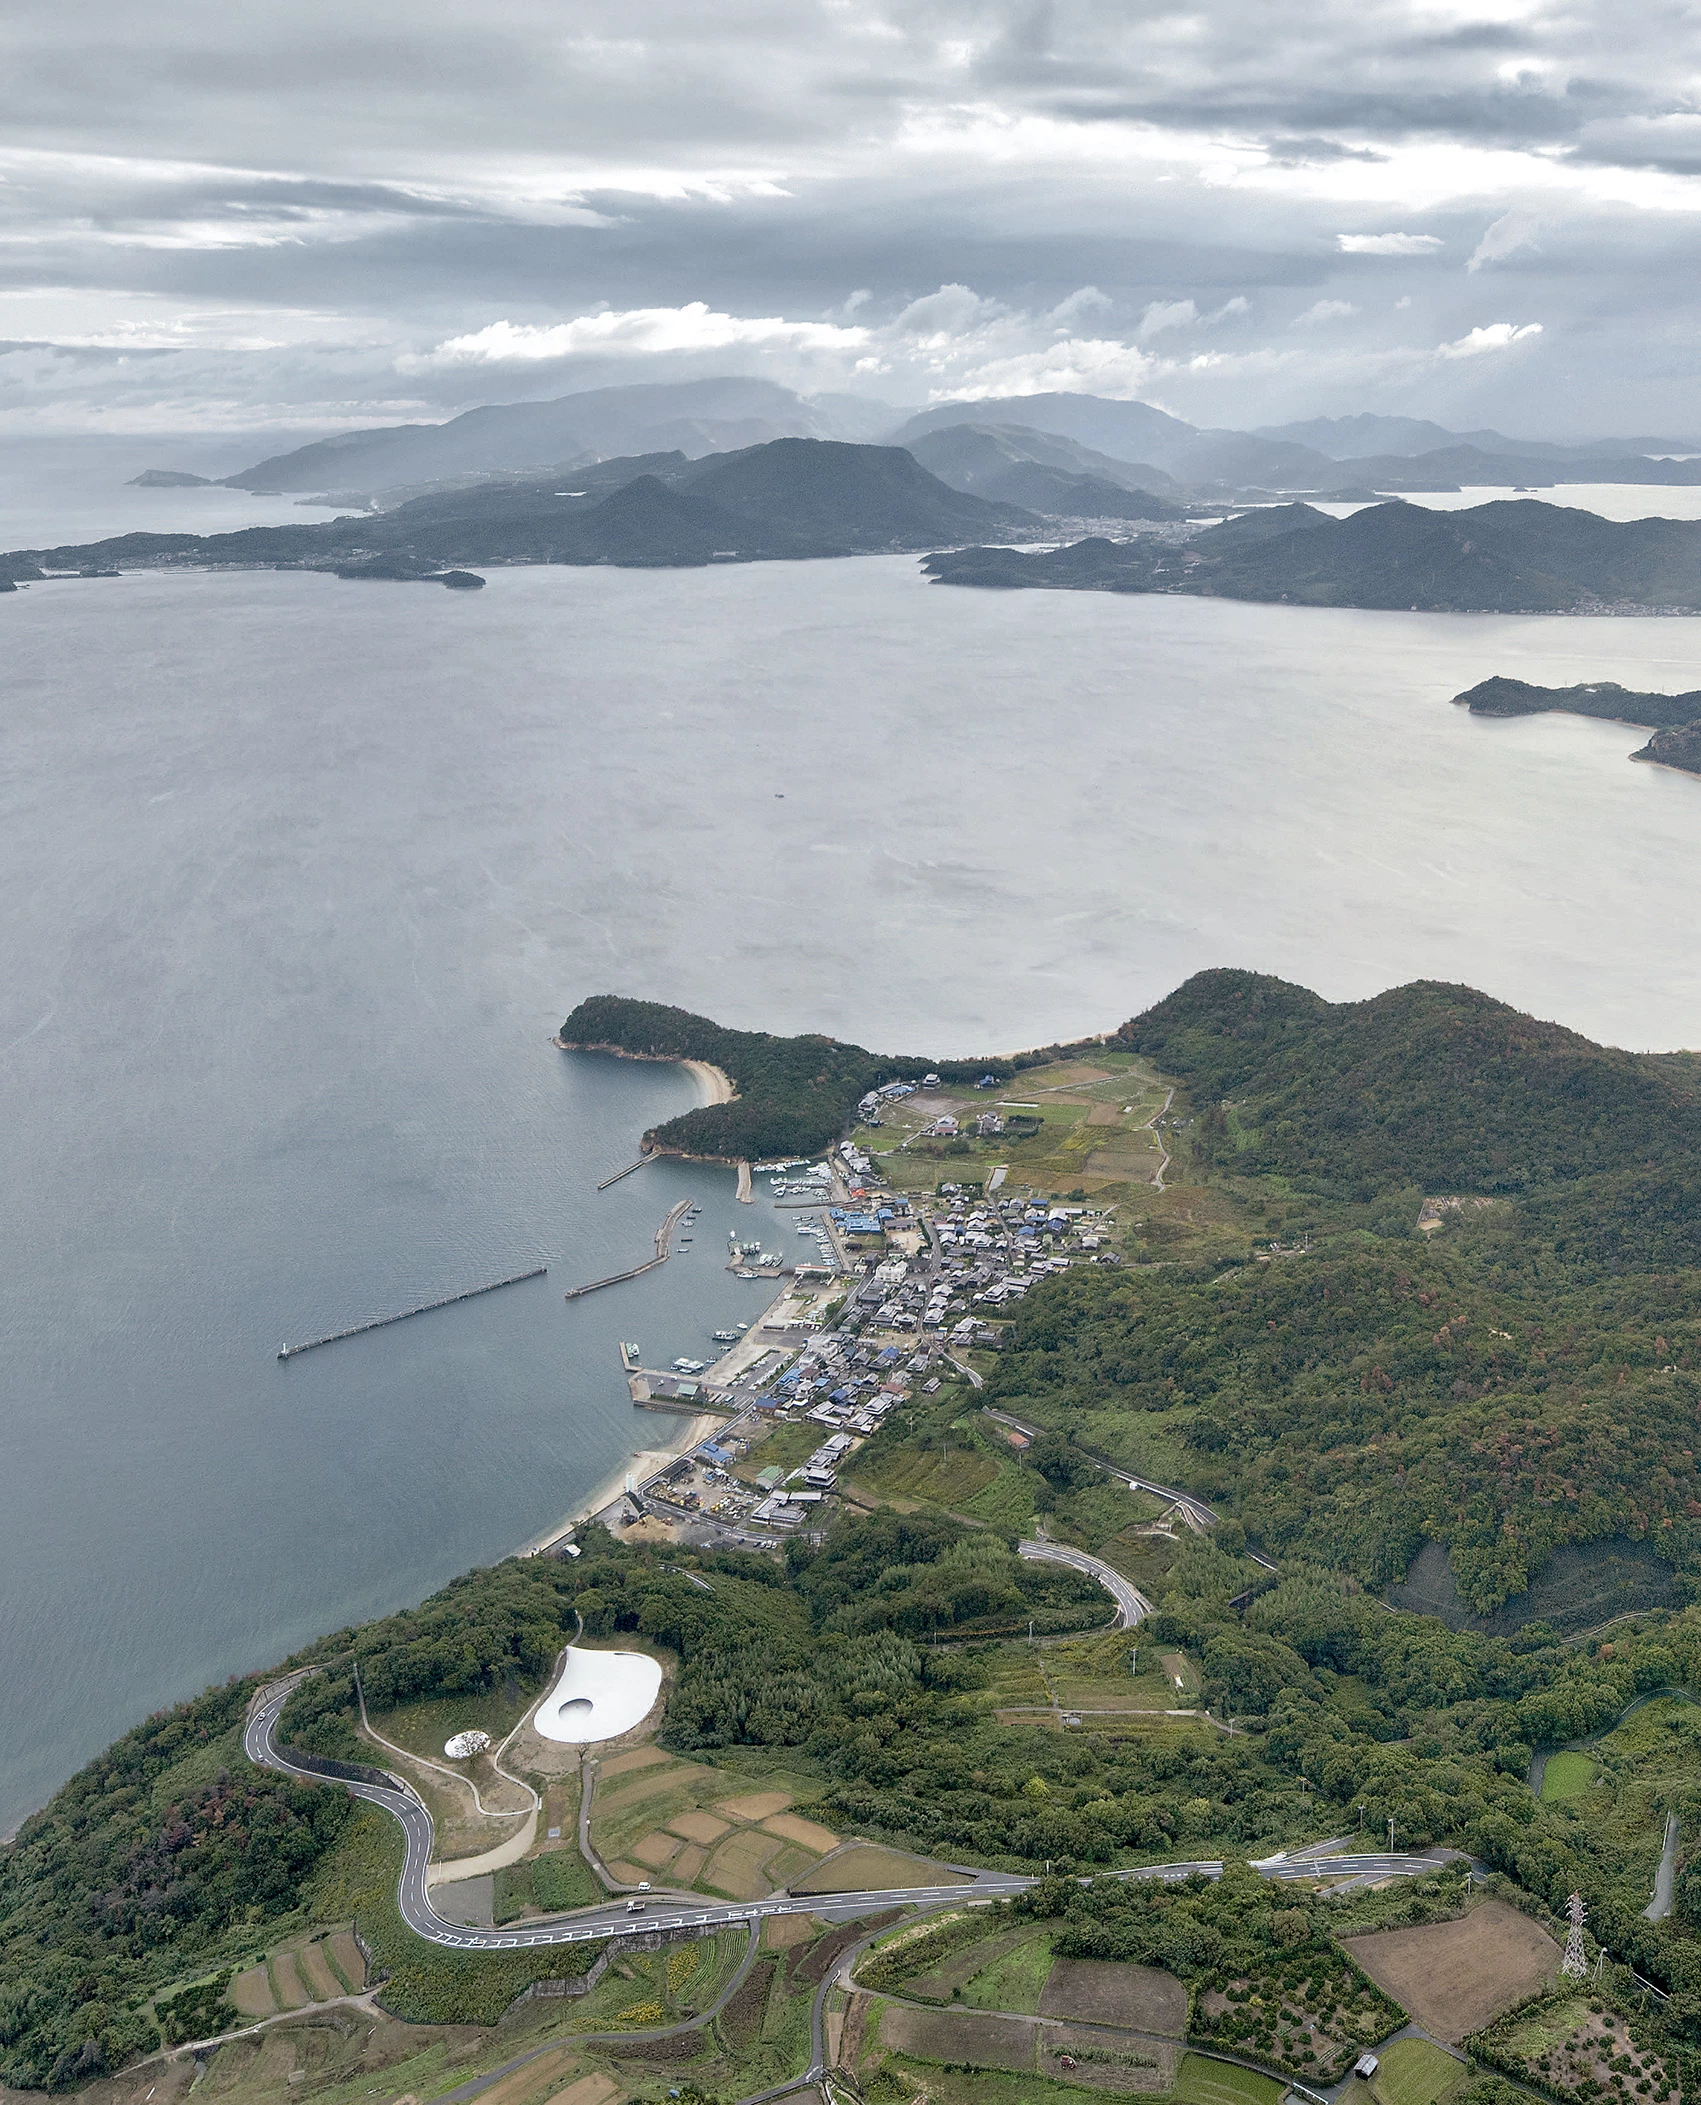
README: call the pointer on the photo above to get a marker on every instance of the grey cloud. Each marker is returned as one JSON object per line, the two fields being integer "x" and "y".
{"x": 1317, "y": 151}
{"x": 367, "y": 183}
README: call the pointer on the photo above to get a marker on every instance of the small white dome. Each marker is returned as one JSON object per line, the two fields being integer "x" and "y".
{"x": 466, "y": 1744}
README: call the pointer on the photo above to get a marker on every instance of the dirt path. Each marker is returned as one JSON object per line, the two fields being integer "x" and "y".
{"x": 1660, "y": 1906}
{"x": 503, "y": 1853}
{"x": 1151, "y": 1126}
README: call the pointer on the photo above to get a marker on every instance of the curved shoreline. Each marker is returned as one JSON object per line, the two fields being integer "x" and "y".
{"x": 716, "y": 1085}
{"x": 715, "y": 1082}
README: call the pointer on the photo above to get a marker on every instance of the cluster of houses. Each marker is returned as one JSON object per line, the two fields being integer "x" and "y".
{"x": 992, "y": 1251}
{"x": 901, "y": 1320}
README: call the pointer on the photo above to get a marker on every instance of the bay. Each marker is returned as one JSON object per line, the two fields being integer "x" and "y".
{"x": 297, "y": 877}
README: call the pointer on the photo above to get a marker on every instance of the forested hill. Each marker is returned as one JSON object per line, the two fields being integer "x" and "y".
{"x": 794, "y": 1095}
{"x": 1511, "y": 557}
{"x": 1430, "y": 1085}
{"x": 791, "y": 498}
{"x": 1500, "y": 696}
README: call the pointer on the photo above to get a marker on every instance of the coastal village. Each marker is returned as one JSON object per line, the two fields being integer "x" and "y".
{"x": 926, "y": 1230}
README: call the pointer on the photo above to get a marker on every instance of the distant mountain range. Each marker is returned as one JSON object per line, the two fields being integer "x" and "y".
{"x": 798, "y": 497}
{"x": 1356, "y": 438}
{"x": 694, "y": 417}
{"x": 1070, "y": 435}
{"x": 789, "y": 498}
{"x": 1359, "y": 456}
{"x": 1515, "y": 556}
{"x": 1056, "y": 476}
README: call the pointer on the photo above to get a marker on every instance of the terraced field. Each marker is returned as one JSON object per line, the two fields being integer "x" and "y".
{"x": 675, "y": 1823}
{"x": 310, "y": 1969}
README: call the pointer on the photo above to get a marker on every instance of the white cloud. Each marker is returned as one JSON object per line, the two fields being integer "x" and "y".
{"x": 1388, "y": 244}
{"x": 1082, "y": 365}
{"x": 1324, "y": 311}
{"x": 1511, "y": 232}
{"x": 939, "y": 316}
{"x": 637, "y": 332}
{"x": 1494, "y": 336}
{"x": 1167, "y": 314}
{"x": 1086, "y": 300}
{"x": 1230, "y": 308}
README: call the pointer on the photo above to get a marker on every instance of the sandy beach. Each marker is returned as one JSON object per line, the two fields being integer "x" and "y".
{"x": 644, "y": 1462}
{"x": 714, "y": 1083}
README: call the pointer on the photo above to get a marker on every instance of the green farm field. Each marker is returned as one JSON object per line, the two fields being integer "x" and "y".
{"x": 1202, "y": 2080}
{"x": 1416, "y": 2072}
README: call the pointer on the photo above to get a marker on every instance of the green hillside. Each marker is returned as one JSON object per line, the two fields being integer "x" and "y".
{"x": 1429, "y": 1085}
{"x": 1500, "y": 1424}
{"x": 794, "y": 1095}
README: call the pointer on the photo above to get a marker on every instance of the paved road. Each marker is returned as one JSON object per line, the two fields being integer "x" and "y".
{"x": 1132, "y": 1605}
{"x": 679, "y": 1911}
{"x": 1194, "y": 1510}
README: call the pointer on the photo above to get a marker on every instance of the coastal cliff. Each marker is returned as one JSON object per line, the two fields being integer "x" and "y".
{"x": 1678, "y": 747}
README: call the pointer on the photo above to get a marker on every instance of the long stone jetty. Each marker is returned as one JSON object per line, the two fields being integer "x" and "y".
{"x": 356, "y": 1330}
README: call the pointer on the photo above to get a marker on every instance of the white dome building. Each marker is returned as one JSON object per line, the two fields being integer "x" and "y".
{"x": 465, "y": 1745}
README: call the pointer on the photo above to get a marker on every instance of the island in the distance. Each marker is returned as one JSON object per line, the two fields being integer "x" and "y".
{"x": 795, "y": 498}
{"x": 786, "y": 500}
{"x": 1674, "y": 719}
{"x": 1510, "y": 557}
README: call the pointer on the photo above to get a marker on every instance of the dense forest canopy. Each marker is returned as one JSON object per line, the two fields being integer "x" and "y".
{"x": 1428, "y": 1085}
{"x": 795, "y": 1096}
{"x": 133, "y": 1875}
{"x": 1351, "y": 1407}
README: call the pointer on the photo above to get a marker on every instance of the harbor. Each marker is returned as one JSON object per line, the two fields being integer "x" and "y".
{"x": 664, "y": 1242}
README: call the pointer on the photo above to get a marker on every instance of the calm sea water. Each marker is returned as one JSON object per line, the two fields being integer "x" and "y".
{"x": 297, "y": 878}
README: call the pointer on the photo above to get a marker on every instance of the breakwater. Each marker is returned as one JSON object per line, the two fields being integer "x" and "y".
{"x": 664, "y": 1239}
{"x": 626, "y": 1172}
{"x": 356, "y": 1330}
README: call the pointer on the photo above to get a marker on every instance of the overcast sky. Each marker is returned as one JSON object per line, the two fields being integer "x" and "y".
{"x": 315, "y": 215}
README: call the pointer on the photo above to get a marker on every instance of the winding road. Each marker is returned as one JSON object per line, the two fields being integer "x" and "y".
{"x": 1132, "y": 1605}
{"x": 1194, "y": 1511}
{"x": 678, "y": 1911}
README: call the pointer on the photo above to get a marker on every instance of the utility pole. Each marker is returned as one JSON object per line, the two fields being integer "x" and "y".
{"x": 1361, "y": 1819}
